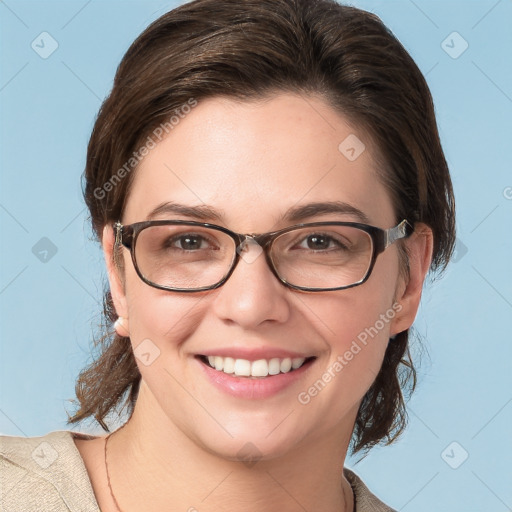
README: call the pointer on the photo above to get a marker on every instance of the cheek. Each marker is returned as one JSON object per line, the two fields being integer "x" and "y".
{"x": 361, "y": 313}
{"x": 355, "y": 328}
{"x": 160, "y": 323}
{"x": 162, "y": 317}
{"x": 354, "y": 325}
{"x": 356, "y": 334}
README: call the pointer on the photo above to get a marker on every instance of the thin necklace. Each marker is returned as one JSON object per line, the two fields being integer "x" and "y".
{"x": 106, "y": 468}
{"x": 119, "y": 508}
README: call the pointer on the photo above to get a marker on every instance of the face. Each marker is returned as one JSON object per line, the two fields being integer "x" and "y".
{"x": 251, "y": 162}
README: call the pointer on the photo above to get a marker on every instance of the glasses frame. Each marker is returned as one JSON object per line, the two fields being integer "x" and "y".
{"x": 381, "y": 240}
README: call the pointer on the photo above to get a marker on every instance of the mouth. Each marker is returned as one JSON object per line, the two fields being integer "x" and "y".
{"x": 258, "y": 369}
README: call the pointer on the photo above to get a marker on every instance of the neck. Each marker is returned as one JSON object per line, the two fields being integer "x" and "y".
{"x": 154, "y": 465}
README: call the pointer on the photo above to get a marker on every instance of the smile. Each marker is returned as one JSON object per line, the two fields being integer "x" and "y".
{"x": 260, "y": 368}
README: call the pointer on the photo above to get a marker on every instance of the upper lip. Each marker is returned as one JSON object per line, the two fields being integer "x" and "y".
{"x": 253, "y": 354}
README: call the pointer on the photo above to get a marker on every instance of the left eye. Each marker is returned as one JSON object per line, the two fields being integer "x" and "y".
{"x": 319, "y": 241}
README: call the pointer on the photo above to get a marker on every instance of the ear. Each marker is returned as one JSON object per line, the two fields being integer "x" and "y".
{"x": 114, "y": 275}
{"x": 408, "y": 294}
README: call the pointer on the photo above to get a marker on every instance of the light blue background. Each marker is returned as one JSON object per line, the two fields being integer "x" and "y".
{"x": 48, "y": 107}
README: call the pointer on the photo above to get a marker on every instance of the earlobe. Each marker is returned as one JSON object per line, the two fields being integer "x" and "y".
{"x": 408, "y": 294}
{"x": 114, "y": 277}
{"x": 121, "y": 327}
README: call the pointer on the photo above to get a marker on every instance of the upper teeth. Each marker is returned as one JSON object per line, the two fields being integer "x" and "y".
{"x": 259, "y": 368}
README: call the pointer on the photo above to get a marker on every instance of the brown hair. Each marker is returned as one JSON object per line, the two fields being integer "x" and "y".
{"x": 248, "y": 50}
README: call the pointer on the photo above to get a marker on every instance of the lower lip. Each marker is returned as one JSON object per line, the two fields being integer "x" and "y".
{"x": 252, "y": 388}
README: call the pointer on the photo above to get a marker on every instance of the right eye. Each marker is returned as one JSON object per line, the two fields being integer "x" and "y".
{"x": 187, "y": 242}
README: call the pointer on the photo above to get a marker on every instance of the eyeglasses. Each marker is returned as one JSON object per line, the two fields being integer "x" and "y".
{"x": 188, "y": 256}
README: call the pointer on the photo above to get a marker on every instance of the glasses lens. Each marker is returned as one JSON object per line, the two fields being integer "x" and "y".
{"x": 184, "y": 256}
{"x": 323, "y": 256}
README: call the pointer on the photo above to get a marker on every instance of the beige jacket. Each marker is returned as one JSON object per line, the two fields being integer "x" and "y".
{"x": 47, "y": 474}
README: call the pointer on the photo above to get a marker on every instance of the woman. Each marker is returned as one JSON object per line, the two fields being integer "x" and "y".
{"x": 269, "y": 189}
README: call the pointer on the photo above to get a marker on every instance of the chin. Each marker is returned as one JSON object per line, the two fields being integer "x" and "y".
{"x": 249, "y": 449}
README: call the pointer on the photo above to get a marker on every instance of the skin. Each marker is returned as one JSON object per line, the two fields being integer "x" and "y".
{"x": 179, "y": 449}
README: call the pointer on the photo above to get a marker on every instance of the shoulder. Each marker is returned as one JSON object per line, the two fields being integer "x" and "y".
{"x": 44, "y": 473}
{"x": 365, "y": 500}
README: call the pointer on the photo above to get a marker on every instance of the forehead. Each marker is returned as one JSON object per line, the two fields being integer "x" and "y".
{"x": 253, "y": 161}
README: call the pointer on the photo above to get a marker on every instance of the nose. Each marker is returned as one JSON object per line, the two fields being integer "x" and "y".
{"x": 252, "y": 295}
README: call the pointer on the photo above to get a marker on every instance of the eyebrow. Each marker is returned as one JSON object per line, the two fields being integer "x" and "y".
{"x": 298, "y": 213}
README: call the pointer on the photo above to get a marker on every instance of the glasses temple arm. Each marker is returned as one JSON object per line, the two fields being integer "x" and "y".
{"x": 391, "y": 235}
